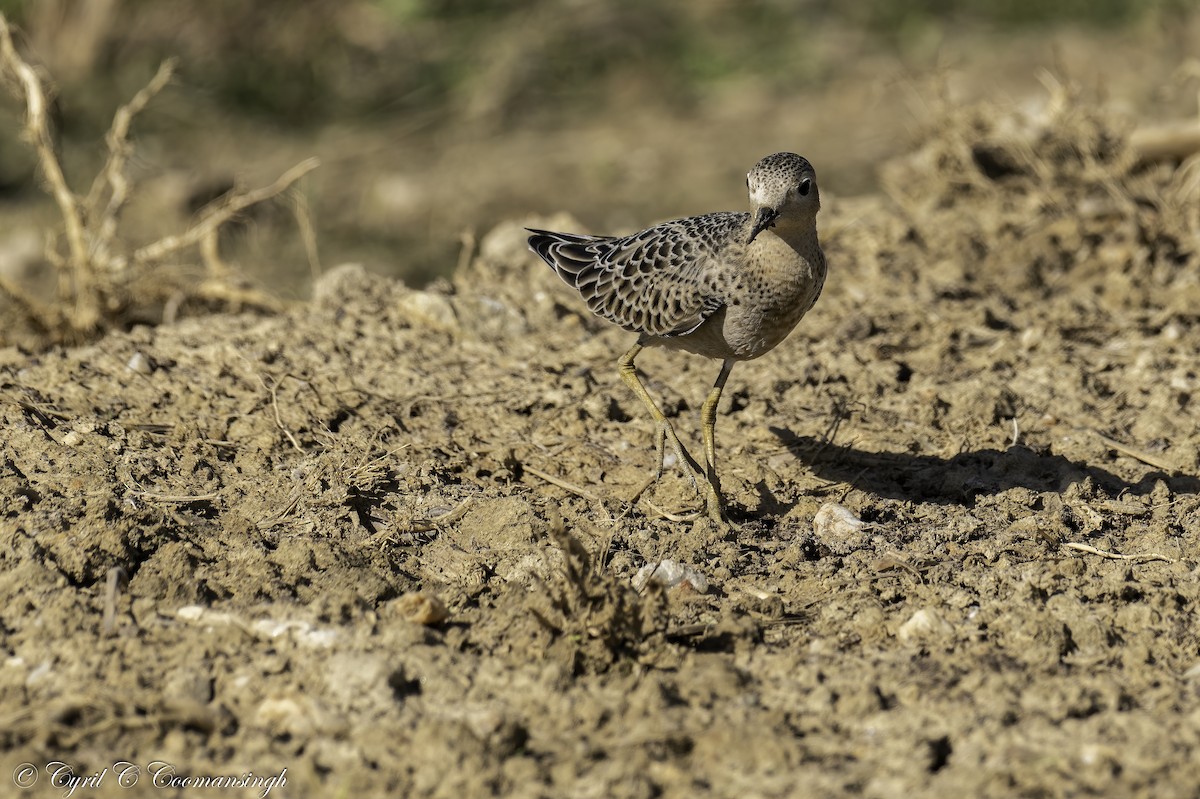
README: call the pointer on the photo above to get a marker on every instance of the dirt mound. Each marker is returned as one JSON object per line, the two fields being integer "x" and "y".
{"x": 967, "y": 487}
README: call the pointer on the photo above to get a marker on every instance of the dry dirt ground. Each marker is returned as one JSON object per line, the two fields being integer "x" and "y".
{"x": 999, "y": 384}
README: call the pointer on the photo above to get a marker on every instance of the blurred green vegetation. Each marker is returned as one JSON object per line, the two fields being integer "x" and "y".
{"x": 885, "y": 17}
{"x": 390, "y": 92}
{"x": 303, "y": 62}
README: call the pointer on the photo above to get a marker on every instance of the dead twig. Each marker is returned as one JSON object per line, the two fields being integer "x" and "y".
{"x": 150, "y": 496}
{"x": 675, "y": 517}
{"x": 221, "y": 211}
{"x": 433, "y": 522}
{"x": 893, "y": 561}
{"x": 466, "y": 252}
{"x": 273, "y": 390}
{"x": 112, "y": 177}
{"x": 308, "y": 232}
{"x": 558, "y": 481}
{"x": 1147, "y": 557}
{"x": 287, "y": 510}
{"x": 1170, "y": 142}
{"x": 112, "y": 589}
{"x": 99, "y": 280}
{"x": 37, "y": 133}
{"x": 1137, "y": 454}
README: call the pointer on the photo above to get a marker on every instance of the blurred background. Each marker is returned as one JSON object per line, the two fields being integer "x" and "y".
{"x": 435, "y": 120}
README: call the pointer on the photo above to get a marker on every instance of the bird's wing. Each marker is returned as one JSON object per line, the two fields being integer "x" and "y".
{"x": 660, "y": 281}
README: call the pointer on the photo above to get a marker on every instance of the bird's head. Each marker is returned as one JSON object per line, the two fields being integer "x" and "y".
{"x": 783, "y": 188}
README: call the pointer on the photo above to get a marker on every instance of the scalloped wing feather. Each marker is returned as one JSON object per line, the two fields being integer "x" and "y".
{"x": 655, "y": 282}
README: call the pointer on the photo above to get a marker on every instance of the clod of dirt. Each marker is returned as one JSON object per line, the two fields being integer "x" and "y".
{"x": 421, "y": 608}
{"x": 277, "y": 488}
{"x": 926, "y": 624}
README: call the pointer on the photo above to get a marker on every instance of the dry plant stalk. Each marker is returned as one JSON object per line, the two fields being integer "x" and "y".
{"x": 95, "y": 268}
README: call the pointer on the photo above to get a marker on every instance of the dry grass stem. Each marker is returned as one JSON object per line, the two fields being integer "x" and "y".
{"x": 37, "y": 133}
{"x": 564, "y": 484}
{"x": 98, "y": 279}
{"x": 221, "y": 211}
{"x": 1137, "y": 454}
{"x": 112, "y": 176}
{"x": 273, "y": 389}
{"x": 112, "y": 589}
{"x": 1175, "y": 141}
{"x": 675, "y": 517}
{"x": 426, "y": 524}
{"x": 1146, "y": 557}
{"x": 150, "y": 496}
{"x": 308, "y": 232}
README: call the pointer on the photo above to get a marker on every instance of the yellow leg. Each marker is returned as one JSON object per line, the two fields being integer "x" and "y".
{"x": 708, "y": 421}
{"x": 664, "y": 431}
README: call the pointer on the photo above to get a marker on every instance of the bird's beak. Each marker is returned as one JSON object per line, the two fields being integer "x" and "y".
{"x": 763, "y": 219}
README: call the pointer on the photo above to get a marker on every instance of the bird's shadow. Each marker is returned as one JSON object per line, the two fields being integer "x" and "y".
{"x": 960, "y": 479}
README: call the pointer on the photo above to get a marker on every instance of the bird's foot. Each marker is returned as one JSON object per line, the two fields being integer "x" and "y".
{"x": 664, "y": 434}
{"x": 714, "y": 508}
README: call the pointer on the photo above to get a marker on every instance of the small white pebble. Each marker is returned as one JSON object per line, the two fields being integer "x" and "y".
{"x": 190, "y": 613}
{"x": 925, "y": 624}
{"x": 1031, "y": 337}
{"x": 39, "y": 673}
{"x": 301, "y": 632}
{"x": 429, "y": 310}
{"x": 838, "y": 528}
{"x": 670, "y": 573}
{"x": 138, "y": 362}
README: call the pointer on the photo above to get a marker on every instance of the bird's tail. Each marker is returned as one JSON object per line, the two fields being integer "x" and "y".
{"x": 567, "y": 253}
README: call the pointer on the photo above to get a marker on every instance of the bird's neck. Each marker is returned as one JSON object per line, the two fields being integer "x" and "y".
{"x": 799, "y": 232}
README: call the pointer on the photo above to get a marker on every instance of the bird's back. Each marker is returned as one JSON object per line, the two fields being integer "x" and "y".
{"x": 662, "y": 282}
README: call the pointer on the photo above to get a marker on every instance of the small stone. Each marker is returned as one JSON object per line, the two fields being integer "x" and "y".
{"x": 138, "y": 362}
{"x": 671, "y": 574}
{"x": 284, "y": 716}
{"x": 421, "y": 608}
{"x": 429, "y": 310}
{"x": 924, "y": 625}
{"x": 190, "y": 613}
{"x": 838, "y": 528}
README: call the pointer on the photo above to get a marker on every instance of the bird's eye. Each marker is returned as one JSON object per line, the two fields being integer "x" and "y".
{"x": 747, "y": 180}
{"x": 804, "y": 187}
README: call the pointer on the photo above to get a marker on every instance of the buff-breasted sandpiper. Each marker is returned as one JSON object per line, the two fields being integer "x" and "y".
{"x": 722, "y": 285}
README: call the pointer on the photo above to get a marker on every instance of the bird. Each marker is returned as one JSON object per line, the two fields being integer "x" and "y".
{"x": 725, "y": 285}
